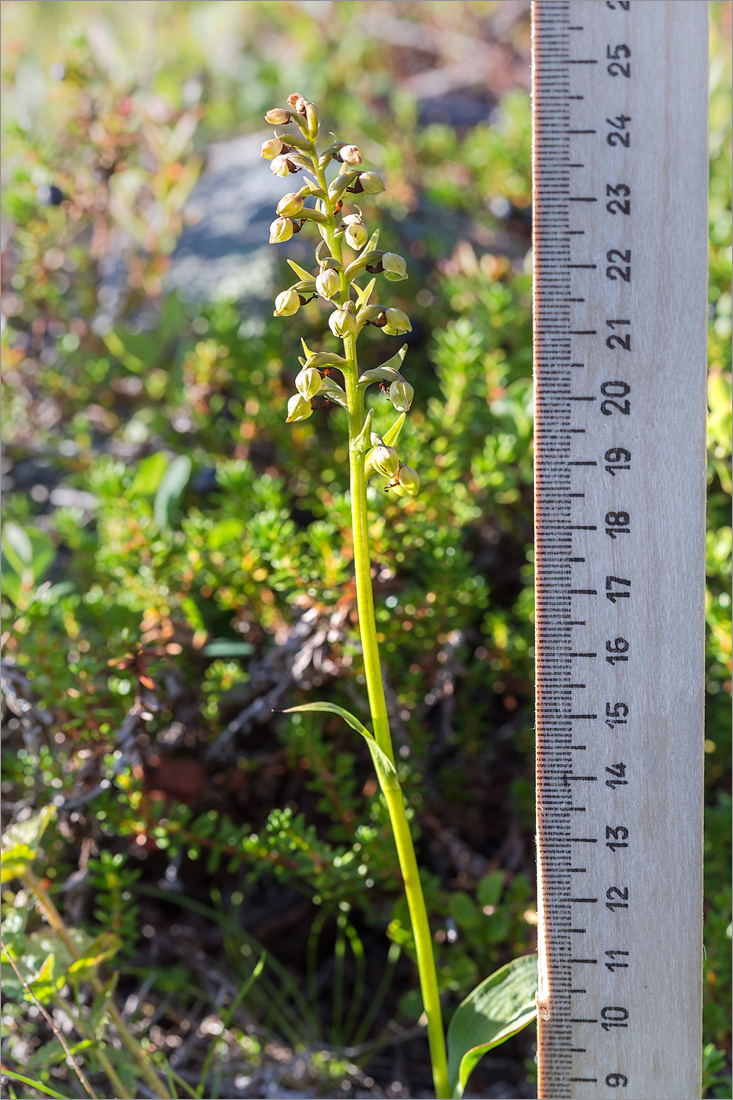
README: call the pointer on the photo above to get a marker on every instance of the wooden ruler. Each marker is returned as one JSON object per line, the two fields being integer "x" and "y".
{"x": 620, "y": 269}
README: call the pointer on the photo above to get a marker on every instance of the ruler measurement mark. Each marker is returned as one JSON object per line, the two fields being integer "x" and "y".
{"x": 661, "y": 94}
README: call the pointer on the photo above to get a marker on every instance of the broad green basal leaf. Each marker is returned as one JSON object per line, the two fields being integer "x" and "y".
{"x": 383, "y": 765}
{"x": 499, "y": 1007}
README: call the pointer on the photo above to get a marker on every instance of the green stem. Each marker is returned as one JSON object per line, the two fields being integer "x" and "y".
{"x": 394, "y": 798}
{"x": 56, "y": 921}
{"x": 375, "y": 687}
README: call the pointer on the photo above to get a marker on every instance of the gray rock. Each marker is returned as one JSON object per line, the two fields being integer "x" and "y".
{"x": 223, "y": 251}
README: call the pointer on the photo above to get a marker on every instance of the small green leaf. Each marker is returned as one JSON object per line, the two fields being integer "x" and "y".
{"x": 52, "y": 1053}
{"x": 137, "y": 351}
{"x": 227, "y": 647}
{"x": 496, "y": 1009}
{"x": 170, "y": 320}
{"x": 362, "y": 443}
{"x": 26, "y": 555}
{"x": 103, "y": 947}
{"x": 365, "y": 294}
{"x": 170, "y": 490}
{"x": 402, "y": 934}
{"x": 301, "y": 271}
{"x": 148, "y": 475}
{"x": 490, "y": 887}
{"x": 11, "y": 582}
{"x": 397, "y": 359}
{"x": 99, "y": 1005}
{"x": 384, "y": 767}
{"x": 464, "y": 910}
{"x": 17, "y": 546}
{"x": 391, "y": 436}
{"x": 45, "y": 982}
{"x": 20, "y": 844}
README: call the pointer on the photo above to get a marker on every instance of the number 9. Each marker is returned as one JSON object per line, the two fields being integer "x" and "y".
{"x": 617, "y": 1080}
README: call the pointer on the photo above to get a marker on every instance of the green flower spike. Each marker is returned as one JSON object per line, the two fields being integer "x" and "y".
{"x": 480, "y": 1022}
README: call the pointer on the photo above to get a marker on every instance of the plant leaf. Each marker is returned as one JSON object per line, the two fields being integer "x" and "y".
{"x": 383, "y": 765}
{"x": 227, "y": 647}
{"x": 45, "y": 982}
{"x": 391, "y": 436}
{"x": 21, "y": 842}
{"x": 301, "y": 271}
{"x": 397, "y": 359}
{"x": 365, "y": 294}
{"x": 100, "y": 1002}
{"x": 37, "y": 1085}
{"x": 105, "y": 946}
{"x": 148, "y": 475}
{"x": 496, "y": 1009}
{"x": 170, "y": 490}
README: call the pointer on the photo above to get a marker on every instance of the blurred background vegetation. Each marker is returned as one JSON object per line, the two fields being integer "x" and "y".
{"x": 177, "y": 562}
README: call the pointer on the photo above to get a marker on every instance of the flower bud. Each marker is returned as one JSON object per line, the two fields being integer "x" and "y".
{"x": 397, "y": 322}
{"x": 308, "y": 382}
{"x": 281, "y": 230}
{"x": 287, "y": 303}
{"x": 290, "y": 205}
{"x": 368, "y": 182}
{"x": 401, "y": 394}
{"x": 298, "y": 409}
{"x": 272, "y": 148}
{"x": 340, "y": 185}
{"x": 282, "y": 166}
{"x": 313, "y": 188}
{"x": 277, "y": 116}
{"x": 313, "y": 120}
{"x": 349, "y": 154}
{"x": 385, "y": 460}
{"x": 328, "y": 283}
{"x": 342, "y": 323}
{"x": 409, "y": 480}
{"x": 356, "y": 235}
{"x": 394, "y": 266}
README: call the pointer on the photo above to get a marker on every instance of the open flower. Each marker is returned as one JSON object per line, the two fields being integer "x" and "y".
{"x": 368, "y": 182}
{"x": 349, "y": 154}
{"x": 281, "y": 166}
{"x": 394, "y": 266}
{"x": 356, "y": 234}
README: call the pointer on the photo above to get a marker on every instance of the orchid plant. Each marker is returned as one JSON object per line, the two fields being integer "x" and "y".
{"x": 346, "y": 256}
